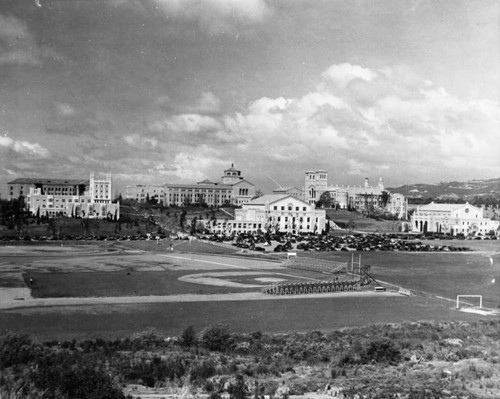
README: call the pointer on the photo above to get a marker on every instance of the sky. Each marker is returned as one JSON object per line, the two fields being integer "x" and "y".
{"x": 169, "y": 91}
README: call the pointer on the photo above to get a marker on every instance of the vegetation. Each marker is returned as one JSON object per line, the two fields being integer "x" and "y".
{"x": 413, "y": 360}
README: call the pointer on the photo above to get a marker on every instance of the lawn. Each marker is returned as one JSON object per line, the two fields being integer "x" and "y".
{"x": 274, "y": 315}
{"x": 437, "y": 273}
{"x": 140, "y": 283}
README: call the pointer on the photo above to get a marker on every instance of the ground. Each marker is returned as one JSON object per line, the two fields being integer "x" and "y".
{"x": 112, "y": 289}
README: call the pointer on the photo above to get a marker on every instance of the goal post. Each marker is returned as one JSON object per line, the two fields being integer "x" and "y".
{"x": 470, "y": 296}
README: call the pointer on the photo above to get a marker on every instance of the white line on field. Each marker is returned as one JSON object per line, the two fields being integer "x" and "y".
{"x": 205, "y": 261}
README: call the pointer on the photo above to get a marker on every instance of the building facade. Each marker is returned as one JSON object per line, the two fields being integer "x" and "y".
{"x": 274, "y": 213}
{"x": 293, "y": 191}
{"x": 365, "y": 198}
{"x": 65, "y": 197}
{"x": 142, "y": 192}
{"x": 452, "y": 219}
{"x": 232, "y": 189}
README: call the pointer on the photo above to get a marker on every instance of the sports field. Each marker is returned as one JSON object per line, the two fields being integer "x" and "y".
{"x": 111, "y": 290}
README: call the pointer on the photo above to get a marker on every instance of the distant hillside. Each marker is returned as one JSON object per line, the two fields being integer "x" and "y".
{"x": 476, "y": 191}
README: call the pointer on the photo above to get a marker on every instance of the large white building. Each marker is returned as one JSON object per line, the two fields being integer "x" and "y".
{"x": 360, "y": 198}
{"x": 452, "y": 219}
{"x": 232, "y": 189}
{"x": 66, "y": 197}
{"x": 275, "y": 213}
{"x": 143, "y": 192}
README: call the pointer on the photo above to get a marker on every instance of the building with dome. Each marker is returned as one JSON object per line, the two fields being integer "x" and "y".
{"x": 232, "y": 189}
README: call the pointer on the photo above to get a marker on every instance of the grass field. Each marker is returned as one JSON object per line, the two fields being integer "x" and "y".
{"x": 145, "y": 268}
{"x": 278, "y": 315}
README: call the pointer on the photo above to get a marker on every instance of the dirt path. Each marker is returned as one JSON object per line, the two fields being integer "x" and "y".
{"x": 13, "y": 303}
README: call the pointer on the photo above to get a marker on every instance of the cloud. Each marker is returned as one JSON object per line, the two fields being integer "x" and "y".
{"x": 23, "y": 147}
{"x": 141, "y": 142}
{"x": 217, "y": 16}
{"x": 65, "y": 110}
{"x": 356, "y": 122}
{"x": 66, "y": 120}
{"x": 345, "y": 73}
{"x": 388, "y": 123}
{"x": 191, "y": 165}
{"x": 207, "y": 104}
{"x": 18, "y": 46}
{"x": 186, "y": 124}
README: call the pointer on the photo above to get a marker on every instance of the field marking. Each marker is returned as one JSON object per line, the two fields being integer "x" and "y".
{"x": 206, "y": 261}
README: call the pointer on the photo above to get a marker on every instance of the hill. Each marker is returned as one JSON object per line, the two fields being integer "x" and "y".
{"x": 473, "y": 191}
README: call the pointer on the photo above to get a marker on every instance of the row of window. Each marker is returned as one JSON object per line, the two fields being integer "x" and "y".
{"x": 290, "y": 208}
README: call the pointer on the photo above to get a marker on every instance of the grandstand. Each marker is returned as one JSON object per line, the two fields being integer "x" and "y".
{"x": 316, "y": 265}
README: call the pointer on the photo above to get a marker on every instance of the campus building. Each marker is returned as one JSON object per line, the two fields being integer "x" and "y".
{"x": 143, "y": 192}
{"x": 293, "y": 191}
{"x": 452, "y": 219}
{"x": 232, "y": 189}
{"x": 361, "y": 198}
{"x": 67, "y": 197}
{"x": 274, "y": 213}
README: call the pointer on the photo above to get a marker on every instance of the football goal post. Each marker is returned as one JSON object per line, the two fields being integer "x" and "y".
{"x": 467, "y": 303}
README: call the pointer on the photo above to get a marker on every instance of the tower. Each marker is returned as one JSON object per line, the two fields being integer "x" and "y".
{"x": 231, "y": 175}
{"x": 315, "y": 185}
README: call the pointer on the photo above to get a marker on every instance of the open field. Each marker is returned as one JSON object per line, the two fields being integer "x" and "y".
{"x": 117, "y": 289}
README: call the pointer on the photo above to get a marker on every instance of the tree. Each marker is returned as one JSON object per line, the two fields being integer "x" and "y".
{"x": 188, "y": 337}
{"x": 216, "y": 337}
{"x": 325, "y": 200}
{"x": 385, "y": 198}
{"x": 193, "y": 226}
{"x": 258, "y": 193}
{"x": 182, "y": 219}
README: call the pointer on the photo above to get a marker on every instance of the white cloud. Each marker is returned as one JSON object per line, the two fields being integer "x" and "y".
{"x": 343, "y": 74}
{"x": 191, "y": 165}
{"x": 396, "y": 124}
{"x": 23, "y": 147}
{"x": 207, "y": 104}
{"x": 65, "y": 110}
{"x": 141, "y": 142}
{"x": 186, "y": 123}
{"x": 387, "y": 123}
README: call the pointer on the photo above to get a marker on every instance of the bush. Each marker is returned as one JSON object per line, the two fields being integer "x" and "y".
{"x": 381, "y": 351}
{"x": 216, "y": 337}
{"x": 188, "y": 337}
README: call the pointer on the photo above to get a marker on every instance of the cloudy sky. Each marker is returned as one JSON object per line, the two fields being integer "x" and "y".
{"x": 162, "y": 91}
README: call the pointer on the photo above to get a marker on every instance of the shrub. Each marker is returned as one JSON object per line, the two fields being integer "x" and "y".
{"x": 216, "y": 337}
{"x": 188, "y": 337}
{"x": 238, "y": 389}
{"x": 381, "y": 351}
{"x": 202, "y": 371}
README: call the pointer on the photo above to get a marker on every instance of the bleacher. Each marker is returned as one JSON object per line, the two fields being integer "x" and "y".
{"x": 317, "y": 265}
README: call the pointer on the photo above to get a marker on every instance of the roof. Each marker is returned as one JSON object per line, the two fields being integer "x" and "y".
{"x": 287, "y": 188}
{"x": 219, "y": 186}
{"x": 443, "y": 207}
{"x": 206, "y": 181}
{"x": 357, "y": 190}
{"x": 271, "y": 198}
{"x": 240, "y": 181}
{"x": 47, "y": 181}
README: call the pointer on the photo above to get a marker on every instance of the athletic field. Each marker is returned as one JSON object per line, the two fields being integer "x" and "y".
{"x": 119, "y": 289}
